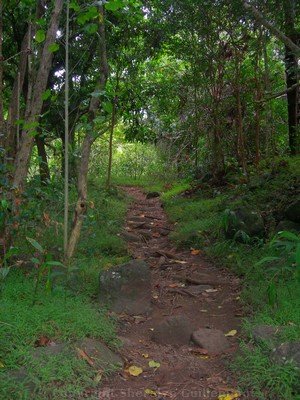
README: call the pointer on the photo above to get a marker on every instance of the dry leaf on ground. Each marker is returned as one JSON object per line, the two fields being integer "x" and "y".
{"x": 151, "y": 392}
{"x": 195, "y": 252}
{"x": 134, "y": 370}
{"x": 154, "y": 364}
{"x": 231, "y": 333}
{"x": 86, "y": 357}
{"x": 229, "y": 396}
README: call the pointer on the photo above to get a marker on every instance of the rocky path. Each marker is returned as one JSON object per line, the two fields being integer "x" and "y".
{"x": 190, "y": 298}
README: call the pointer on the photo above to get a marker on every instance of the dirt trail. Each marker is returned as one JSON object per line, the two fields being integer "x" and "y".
{"x": 185, "y": 372}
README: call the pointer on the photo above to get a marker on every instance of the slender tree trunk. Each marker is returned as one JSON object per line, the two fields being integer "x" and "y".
{"x": 270, "y": 143}
{"x": 39, "y": 87}
{"x": 111, "y": 135}
{"x": 110, "y": 151}
{"x": 258, "y": 95}
{"x": 292, "y": 75}
{"x": 43, "y": 160}
{"x": 81, "y": 204}
{"x": 239, "y": 118}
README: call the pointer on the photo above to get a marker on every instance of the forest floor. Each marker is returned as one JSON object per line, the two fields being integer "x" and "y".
{"x": 184, "y": 371}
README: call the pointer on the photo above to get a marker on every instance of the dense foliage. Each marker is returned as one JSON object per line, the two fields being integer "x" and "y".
{"x": 146, "y": 92}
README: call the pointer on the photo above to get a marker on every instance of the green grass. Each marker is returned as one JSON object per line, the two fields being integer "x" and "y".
{"x": 70, "y": 311}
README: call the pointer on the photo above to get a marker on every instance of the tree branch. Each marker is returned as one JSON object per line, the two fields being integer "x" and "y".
{"x": 279, "y": 94}
{"x": 275, "y": 31}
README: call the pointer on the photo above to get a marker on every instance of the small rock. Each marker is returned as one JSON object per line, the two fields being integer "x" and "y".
{"x": 126, "y": 343}
{"x": 287, "y": 352}
{"x": 174, "y": 330}
{"x": 127, "y": 288}
{"x": 292, "y": 212}
{"x": 152, "y": 195}
{"x": 288, "y": 226}
{"x": 197, "y": 289}
{"x": 265, "y": 333}
{"x": 130, "y": 237}
{"x": 99, "y": 353}
{"x": 136, "y": 220}
{"x": 212, "y": 340}
{"x": 146, "y": 234}
{"x": 247, "y": 220}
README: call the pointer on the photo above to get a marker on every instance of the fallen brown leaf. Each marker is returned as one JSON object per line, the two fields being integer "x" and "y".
{"x": 82, "y": 354}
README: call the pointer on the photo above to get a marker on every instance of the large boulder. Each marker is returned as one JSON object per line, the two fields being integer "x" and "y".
{"x": 292, "y": 212}
{"x": 244, "y": 219}
{"x": 127, "y": 288}
{"x": 173, "y": 330}
{"x": 212, "y": 340}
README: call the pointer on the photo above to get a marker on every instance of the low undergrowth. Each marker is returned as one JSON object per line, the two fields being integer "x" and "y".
{"x": 66, "y": 311}
{"x": 199, "y": 215}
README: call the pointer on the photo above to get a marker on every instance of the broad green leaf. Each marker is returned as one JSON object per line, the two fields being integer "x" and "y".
{"x": 46, "y": 94}
{"x": 91, "y": 28}
{"x": 267, "y": 259}
{"x": 114, "y": 5}
{"x": 55, "y": 264}
{"x": 53, "y": 47}
{"x": 35, "y": 244}
{"x": 40, "y": 36}
{"x": 108, "y": 107}
{"x": 31, "y": 125}
{"x": 74, "y": 6}
{"x": 289, "y": 235}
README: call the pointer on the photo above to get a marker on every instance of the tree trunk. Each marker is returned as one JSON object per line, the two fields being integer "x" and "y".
{"x": 270, "y": 139}
{"x": 110, "y": 151}
{"x": 113, "y": 123}
{"x": 43, "y": 161}
{"x": 258, "y": 95}
{"x": 39, "y": 87}
{"x": 81, "y": 204}
{"x": 291, "y": 70}
{"x": 14, "y": 106}
{"x": 239, "y": 117}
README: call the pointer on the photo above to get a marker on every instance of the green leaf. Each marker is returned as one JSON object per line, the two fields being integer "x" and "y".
{"x": 31, "y": 125}
{"x": 55, "y": 264}
{"x": 289, "y": 235}
{"x": 108, "y": 107}
{"x": 154, "y": 364}
{"x": 272, "y": 294}
{"x": 35, "y": 260}
{"x": 91, "y": 28}
{"x": 74, "y": 6}
{"x": 46, "y": 94}
{"x": 266, "y": 260}
{"x": 114, "y": 5}
{"x": 40, "y": 36}
{"x": 35, "y": 244}
{"x": 53, "y": 47}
